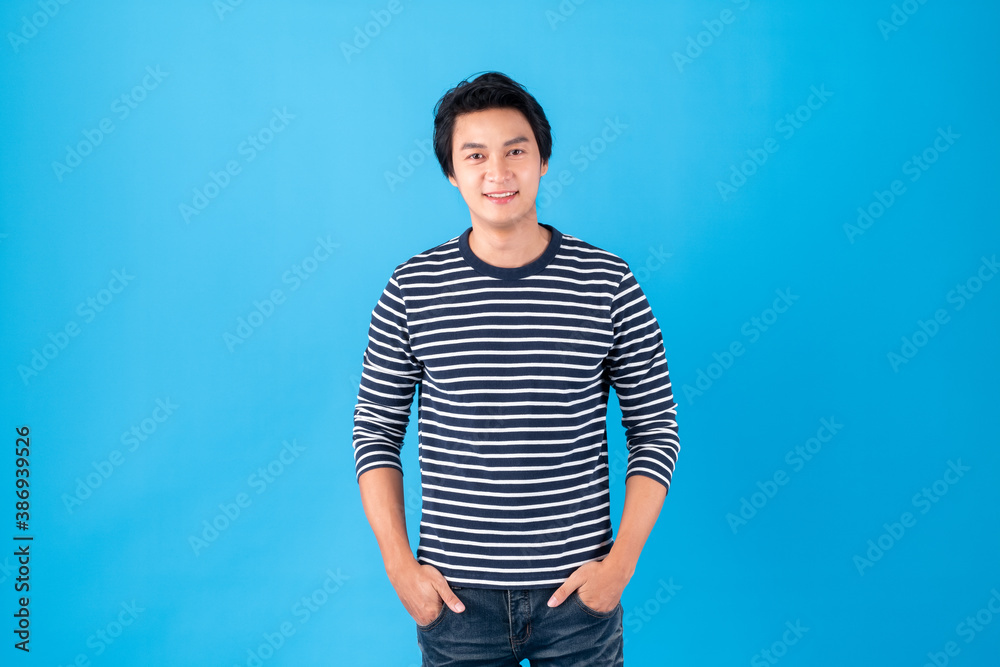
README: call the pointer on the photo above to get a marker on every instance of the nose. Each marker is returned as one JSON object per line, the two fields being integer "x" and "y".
{"x": 497, "y": 170}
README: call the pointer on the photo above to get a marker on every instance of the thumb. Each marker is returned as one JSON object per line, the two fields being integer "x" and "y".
{"x": 449, "y": 597}
{"x": 563, "y": 592}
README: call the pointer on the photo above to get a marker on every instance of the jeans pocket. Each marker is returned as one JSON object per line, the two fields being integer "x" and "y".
{"x": 437, "y": 619}
{"x": 593, "y": 612}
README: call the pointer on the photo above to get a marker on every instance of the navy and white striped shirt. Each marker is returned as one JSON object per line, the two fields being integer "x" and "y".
{"x": 514, "y": 367}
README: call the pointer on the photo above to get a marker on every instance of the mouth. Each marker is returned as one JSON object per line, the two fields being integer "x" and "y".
{"x": 501, "y": 197}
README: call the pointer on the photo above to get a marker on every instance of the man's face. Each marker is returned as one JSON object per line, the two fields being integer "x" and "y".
{"x": 494, "y": 151}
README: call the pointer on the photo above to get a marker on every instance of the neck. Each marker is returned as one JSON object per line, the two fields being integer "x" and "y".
{"x": 509, "y": 247}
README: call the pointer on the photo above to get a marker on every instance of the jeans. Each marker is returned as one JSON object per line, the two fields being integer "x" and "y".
{"x": 500, "y": 628}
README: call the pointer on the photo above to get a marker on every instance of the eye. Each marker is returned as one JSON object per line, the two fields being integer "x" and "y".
{"x": 473, "y": 156}
{"x": 518, "y": 149}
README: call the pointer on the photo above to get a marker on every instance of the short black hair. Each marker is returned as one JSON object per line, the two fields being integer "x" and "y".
{"x": 491, "y": 90}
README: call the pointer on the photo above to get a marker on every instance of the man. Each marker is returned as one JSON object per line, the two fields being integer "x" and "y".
{"x": 514, "y": 332}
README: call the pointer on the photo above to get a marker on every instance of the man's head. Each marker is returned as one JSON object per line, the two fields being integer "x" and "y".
{"x": 491, "y": 136}
{"x": 491, "y": 90}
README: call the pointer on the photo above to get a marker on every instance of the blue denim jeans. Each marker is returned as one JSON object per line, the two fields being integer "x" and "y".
{"x": 500, "y": 628}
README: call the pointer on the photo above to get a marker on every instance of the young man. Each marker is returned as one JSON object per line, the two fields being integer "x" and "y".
{"x": 514, "y": 333}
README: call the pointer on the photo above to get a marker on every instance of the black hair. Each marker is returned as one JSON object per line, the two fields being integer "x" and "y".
{"x": 491, "y": 90}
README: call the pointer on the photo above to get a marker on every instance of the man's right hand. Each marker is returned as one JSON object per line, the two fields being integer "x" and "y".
{"x": 423, "y": 590}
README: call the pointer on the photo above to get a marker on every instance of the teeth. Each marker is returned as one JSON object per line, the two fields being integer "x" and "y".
{"x": 502, "y": 195}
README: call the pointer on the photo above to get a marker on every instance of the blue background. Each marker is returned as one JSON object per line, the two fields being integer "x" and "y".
{"x": 708, "y": 590}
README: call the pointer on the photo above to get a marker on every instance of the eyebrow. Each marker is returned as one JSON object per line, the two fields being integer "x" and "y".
{"x": 515, "y": 140}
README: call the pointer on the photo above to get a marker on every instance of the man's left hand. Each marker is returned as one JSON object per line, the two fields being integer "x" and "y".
{"x": 598, "y": 583}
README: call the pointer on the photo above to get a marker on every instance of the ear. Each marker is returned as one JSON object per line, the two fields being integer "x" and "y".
{"x": 453, "y": 181}
{"x": 545, "y": 167}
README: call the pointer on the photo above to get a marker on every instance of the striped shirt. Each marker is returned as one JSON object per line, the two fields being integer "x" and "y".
{"x": 514, "y": 367}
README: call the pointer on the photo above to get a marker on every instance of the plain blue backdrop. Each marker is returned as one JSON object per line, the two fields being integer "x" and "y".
{"x": 202, "y": 202}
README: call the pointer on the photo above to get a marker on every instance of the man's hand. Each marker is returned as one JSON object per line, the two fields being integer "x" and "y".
{"x": 423, "y": 590}
{"x": 599, "y": 584}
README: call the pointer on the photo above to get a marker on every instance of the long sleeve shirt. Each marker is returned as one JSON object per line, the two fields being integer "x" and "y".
{"x": 513, "y": 367}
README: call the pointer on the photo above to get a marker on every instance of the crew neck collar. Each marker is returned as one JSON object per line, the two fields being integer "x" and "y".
{"x": 516, "y": 272}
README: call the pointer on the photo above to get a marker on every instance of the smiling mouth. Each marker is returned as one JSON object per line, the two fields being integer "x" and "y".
{"x": 501, "y": 196}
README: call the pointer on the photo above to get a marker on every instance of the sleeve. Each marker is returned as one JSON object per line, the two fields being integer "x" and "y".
{"x": 389, "y": 375}
{"x": 637, "y": 367}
